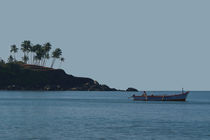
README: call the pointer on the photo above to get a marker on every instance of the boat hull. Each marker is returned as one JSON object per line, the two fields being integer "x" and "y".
{"x": 177, "y": 97}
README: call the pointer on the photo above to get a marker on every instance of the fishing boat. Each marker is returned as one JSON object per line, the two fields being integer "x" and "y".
{"x": 176, "y": 97}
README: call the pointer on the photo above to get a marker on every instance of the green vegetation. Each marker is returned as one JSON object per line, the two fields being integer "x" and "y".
{"x": 35, "y": 54}
{"x": 56, "y": 55}
{"x": 31, "y": 73}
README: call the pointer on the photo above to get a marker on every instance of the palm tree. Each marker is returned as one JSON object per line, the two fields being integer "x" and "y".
{"x": 25, "y": 59}
{"x": 46, "y": 48}
{"x": 26, "y": 47}
{"x": 55, "y": 55}
{"x": 10, "y": 59}
{"x": 1, "y": 61}
{"x": 14, "y": 49}
{"x": 39, "y": 53}
{"x": 35, "y": 59}
{"x": 46, "y": 57}
{"x": 36, "y": 49}
{"x": 62, "y": 60}
{"x": 33, "y": 51}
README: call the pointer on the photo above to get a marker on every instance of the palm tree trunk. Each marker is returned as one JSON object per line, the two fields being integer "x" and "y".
{"x": 34, "y": 61}
{"x": 44, "y": 61}
{"x": 14, "y": 57}
{"x": 31, "y": 58}
{"x": 60, "y": 65}
{"x": 53, "y": 62}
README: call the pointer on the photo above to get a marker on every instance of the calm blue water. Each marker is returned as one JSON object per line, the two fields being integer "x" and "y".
{"x": 101, "y": 116}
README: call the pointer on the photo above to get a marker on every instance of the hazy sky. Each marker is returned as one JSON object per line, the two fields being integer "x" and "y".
{"x": 149, "y": 45}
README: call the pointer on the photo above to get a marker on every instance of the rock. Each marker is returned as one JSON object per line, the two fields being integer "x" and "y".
{"x": 15, "y": 76}
{"x": 132, "y": 89}
{"x": 96, "y": 83}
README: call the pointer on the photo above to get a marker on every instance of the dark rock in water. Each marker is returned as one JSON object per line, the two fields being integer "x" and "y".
{"x": 132, "y": 89}
{"x": 30, "y": 77}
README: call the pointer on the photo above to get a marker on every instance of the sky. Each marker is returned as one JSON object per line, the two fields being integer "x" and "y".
{"x": 146, "y": 44}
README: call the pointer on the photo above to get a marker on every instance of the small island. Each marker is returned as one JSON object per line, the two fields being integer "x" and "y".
{"x": 31, "y": 73}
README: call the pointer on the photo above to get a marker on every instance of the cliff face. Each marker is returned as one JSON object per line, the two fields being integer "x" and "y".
{"x": 30, "y": 77}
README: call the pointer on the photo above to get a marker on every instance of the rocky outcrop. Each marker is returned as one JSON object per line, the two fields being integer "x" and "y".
{"x": 132, "y": 89}
{"x": 23, "y": 77}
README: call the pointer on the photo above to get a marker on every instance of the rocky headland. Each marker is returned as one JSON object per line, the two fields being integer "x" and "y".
{"x": 15, "y": 76}
{"x": 31, "y": 72}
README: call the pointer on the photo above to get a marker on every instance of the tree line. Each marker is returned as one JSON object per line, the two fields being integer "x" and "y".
{"x": 36, "y": 54}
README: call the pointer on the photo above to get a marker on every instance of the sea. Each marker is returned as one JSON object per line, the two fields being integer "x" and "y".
{"x": 73, "y": 115}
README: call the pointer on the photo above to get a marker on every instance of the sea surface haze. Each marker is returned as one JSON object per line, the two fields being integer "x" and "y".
{"x": 30, "y": 115}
